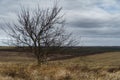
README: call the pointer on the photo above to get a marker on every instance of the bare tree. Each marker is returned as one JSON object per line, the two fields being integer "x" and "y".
{"x": 40, "y": 29}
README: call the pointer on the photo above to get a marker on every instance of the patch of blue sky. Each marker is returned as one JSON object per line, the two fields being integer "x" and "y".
{"x": 109, "y": 8}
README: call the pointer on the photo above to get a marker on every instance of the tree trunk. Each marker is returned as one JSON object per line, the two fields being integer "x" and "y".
{"x": 39, "y": 61}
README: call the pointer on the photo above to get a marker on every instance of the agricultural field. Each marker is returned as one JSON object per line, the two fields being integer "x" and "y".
{"x": 96, "y": 64}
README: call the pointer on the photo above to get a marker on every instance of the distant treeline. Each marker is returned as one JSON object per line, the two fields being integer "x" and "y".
{"x": 78, "y": 50}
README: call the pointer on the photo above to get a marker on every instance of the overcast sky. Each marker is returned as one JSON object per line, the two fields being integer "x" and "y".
{"x": 93, "y": 22}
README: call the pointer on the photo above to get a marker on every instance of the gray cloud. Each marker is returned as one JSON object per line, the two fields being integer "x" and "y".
{"x": 86, "y": 18}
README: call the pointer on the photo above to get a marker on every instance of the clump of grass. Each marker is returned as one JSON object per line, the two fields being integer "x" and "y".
{"x": 35, "y": 72}
{"x": 15, "y": 71}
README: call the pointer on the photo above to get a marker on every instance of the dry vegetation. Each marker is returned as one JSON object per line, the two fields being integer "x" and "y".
{"x": 103, "y": 66}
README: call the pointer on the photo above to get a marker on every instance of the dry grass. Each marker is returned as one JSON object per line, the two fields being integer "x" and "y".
{"x": 104, "y": 66}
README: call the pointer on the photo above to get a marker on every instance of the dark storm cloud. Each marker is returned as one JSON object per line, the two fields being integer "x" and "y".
{"x": 87, "y": 23}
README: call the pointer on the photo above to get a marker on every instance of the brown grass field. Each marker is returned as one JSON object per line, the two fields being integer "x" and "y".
{"x": 21, "y": 66}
